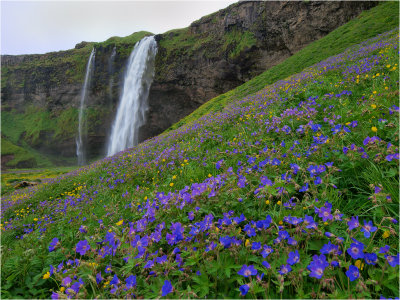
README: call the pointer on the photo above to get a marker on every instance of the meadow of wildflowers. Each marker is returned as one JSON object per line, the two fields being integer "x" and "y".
{"x": 288, "y": 193}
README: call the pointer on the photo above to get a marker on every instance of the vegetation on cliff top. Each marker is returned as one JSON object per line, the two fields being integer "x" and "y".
{"x": 291, "y": 192}
{"x": 368, "y": 24}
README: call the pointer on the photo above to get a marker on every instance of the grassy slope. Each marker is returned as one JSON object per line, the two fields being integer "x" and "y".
{"x": 109, "y": 199}
{"x": 379, "y": 19}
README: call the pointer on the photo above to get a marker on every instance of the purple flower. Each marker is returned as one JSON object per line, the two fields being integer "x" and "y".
{"x": 368, "y": 228}
{"x": 66, "y": 282}
{"x": 266, "y": 264}
{"x": 241, "y": 182}
{"x": 353, "y": 223}
{"x": 108, "y": 269}
{"x": 353, "y": 273}
{"x": 115, "y": 280}
{"x": 284, "y": 269}
{"x": 53, "y": 244}
{"x": 356, "y": 250}
{"x": 210, "y": 247}
{"x": 293, "y": 258}
{"x": 99, "y": 278}
{"x": 191, "y": 215}
{"x": 317, "y": 180}
{"x": 249, "y": 230}
{"x": 384, "y": 249}
{"x": 244, "y": 289}
{"x": 325, "y": 214}
{"x": 149, "y": 264}
{"x": 392, "y": 260}
{"x": 218, "y": 164}
{"x": 334, "y": 263}
{"x": 256, "y": 246}
{"x": 161, "y": 260}
{"x": 225, "y": 241}
{"x": 131, "y": 281}
{"x": 267, "y": 250}
{"x": 304, "y": 188}
{"x": 330, "y": 249}
{"x": 371, "y": 258}
{"x": 82, "y": 247}
{"x": 317, "y": 266}
{"x": 83, "y": 229}
{"x": 247, "y": 271}
{"x": 167, "y": 288}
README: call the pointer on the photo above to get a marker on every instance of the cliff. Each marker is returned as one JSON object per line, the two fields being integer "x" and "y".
{"x": 40, "y": 93}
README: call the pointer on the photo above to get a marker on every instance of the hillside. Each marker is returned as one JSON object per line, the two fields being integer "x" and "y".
{"x": 194, "y": 64}
{"x": 368, "y": 24}
{"x": 289, "y": 192}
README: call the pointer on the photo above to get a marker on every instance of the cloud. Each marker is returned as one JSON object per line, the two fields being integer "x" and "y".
{"x": 39, "y": 27}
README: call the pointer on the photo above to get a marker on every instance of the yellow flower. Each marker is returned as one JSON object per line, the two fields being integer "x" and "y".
{"x": 279, "y": 202}
{"x": 267, "y": 202}
{"x": 47, "y": 275}
{"x": 373, "y": 106}
{"x": 171, "y": 184}
{"x": 247, "y": 243}
{"x": 119, "y": 223}
{"x": 374, "y": 129}
{"x": 280, "y": 222}
{"x": 374, "y": 92}
{"x": 358, "y": 264}
{"x": 209, "y": 175}
{"x": 386, "y": 234}
{"x": 35, "y": 219}
{"x": 62, "y": 289}
{"x": 174, "y": 177}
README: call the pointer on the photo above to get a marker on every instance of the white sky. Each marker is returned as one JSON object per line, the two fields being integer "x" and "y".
{"x": 34, "y": 27}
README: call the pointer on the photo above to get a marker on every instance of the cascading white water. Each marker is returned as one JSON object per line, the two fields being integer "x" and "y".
{"x": 133, "y": 105}
{"x": 111, "y": 71}
{"x": 82, "y": 128}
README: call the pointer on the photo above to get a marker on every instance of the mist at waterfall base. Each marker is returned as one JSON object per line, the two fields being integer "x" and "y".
{"x": 131, "y": 112}
{"x": 82, "y": 124}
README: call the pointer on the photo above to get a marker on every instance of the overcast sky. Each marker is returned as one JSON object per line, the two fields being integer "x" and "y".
{"x": 34, "y": 27}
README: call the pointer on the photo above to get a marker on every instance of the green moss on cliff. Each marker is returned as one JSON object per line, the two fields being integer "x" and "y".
{"x": 124, "y": 44}
{"x": 15, "y": 156}
{"x": 237, "y": 41}
{"x": 67, "y": 123}
{"x": 368, "y": 24}
{"x": 62, "y": 66}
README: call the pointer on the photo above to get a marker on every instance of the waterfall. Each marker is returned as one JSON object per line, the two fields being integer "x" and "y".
{"x": 133, "y": 105}
{"x": 82, "y": 127}
{"x": 111, "y": 71}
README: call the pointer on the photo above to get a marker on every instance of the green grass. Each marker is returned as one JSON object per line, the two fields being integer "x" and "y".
{"x": 11, "y": 177}
{"x": 102, "y": 204}
{"x": 368, "y": 24}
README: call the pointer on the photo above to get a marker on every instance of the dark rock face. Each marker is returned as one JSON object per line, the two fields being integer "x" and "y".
{"x": 210, "y": 57}
{"x": 280, "y": 29}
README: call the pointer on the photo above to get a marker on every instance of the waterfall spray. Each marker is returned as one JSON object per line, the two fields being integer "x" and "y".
{"x": 82, "y": 127}
{"x": 133, "y": 105}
